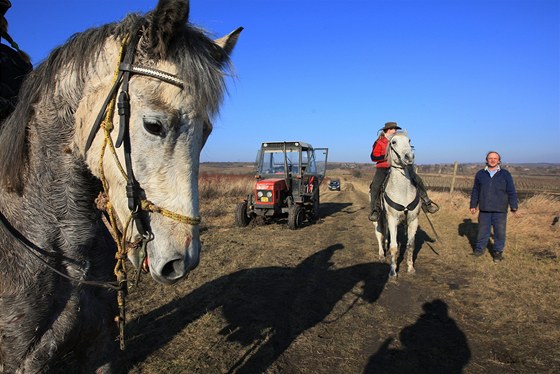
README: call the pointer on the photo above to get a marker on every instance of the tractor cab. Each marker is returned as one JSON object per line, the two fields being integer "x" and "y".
{"x": 287, "y": 182}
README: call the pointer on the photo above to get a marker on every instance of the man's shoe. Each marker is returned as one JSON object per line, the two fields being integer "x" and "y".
{"x": 498, "y": 256}
{"x": 374, "y": 216}
{"x": 477, "y": 253}
{"x": 430, "y": 207}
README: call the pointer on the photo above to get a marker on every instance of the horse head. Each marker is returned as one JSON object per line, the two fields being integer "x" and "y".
{"x": 400, "y": 152}
{"x": 171, "y": 76}
{"x": 162, "y": 132}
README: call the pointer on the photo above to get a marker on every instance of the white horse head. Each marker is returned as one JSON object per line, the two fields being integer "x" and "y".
{"x": 399, "y": 151}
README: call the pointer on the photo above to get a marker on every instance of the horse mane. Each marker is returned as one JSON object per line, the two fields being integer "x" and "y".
{"x": 200, "y": 62}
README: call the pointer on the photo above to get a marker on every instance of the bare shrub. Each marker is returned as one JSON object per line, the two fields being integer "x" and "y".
{"x": 219, "y": 194}
{"x": 212, "y": 186}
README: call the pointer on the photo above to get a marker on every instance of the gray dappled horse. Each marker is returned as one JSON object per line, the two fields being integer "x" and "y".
{"x": 57, "y": 153}
{"x": 401, "y": 202}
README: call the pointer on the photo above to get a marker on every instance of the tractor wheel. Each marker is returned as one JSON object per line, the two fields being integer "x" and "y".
{"x": 316, "y": 206}
{"x": 241, "y": 217}
{"x": 295, "y": 217}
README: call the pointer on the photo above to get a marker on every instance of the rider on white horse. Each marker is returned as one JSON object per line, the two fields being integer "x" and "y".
{"x": 378, "y": 154}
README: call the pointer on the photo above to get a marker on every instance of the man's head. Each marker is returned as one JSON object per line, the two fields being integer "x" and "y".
{"x": 493, "y": 159}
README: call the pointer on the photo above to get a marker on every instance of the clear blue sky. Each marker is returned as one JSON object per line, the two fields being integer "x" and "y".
{"x": 462, "y": 76}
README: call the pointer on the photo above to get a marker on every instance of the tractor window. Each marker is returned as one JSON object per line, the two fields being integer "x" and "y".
{"x": 272, "y": 162}
{"x": 293, "y": 161}
{"x": 309, "y": 160}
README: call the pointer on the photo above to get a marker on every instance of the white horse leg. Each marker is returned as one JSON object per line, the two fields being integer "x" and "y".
{"x": 380, "y": 241}
{"x": 411, "y": 234}
{"x": 393, "y": 246}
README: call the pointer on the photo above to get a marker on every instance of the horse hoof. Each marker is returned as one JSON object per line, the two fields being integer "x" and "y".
{"x": 411, "y": 270}
{"x": 392, "y": 274}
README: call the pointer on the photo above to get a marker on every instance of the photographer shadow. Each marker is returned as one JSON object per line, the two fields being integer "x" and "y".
{"x": 434, "y": 344}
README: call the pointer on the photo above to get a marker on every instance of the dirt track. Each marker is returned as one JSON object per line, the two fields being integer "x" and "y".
{"x": 317, "y": 300}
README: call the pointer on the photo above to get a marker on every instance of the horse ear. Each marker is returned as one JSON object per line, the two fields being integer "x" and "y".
{"x": 168, "y": 17}
{"x": 228, "y": 42}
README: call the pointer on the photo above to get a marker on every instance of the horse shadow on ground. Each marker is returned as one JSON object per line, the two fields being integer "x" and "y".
{"x": 469, "y": 229}
{"x": 434, "y": 344}
{"x": 266, "y": 309}
{"x": 420, "y": 239}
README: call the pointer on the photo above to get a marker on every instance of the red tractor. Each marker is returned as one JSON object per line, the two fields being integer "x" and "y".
{"x": 288, "y": 178}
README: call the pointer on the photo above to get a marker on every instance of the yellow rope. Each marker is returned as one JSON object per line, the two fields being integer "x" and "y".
{"x": 149, "y": 206}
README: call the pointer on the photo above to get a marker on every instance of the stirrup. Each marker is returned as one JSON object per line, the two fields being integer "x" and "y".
{"x": 430, "y": 207}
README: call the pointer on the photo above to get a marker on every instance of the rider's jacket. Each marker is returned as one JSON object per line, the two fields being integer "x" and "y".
{"x": 378, "y": 151}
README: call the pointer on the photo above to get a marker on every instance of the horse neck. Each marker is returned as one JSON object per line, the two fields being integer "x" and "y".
{"x": 399, "y": 184}
{"x": 55, "y": 210}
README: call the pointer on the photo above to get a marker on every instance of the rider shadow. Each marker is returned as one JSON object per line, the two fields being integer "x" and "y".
{"x": 434, "y": 344}
{"x": 266, "y": 309}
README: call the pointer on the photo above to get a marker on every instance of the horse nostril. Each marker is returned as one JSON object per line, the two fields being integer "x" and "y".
{"x": 173, "y": 269}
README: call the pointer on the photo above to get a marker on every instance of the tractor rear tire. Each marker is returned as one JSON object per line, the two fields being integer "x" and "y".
{"x": 295, "y": 217}
{"x": 316, "y": 207}
{"x": 241, "y": 217}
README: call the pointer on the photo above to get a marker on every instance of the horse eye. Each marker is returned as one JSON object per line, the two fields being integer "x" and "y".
{"x": 154, "y": 127}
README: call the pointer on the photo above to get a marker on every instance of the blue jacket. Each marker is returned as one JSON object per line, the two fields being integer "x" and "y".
{"x": 493, "y": 194}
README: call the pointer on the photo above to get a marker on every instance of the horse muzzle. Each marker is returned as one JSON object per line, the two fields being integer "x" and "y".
{"x": 167, "y": 265}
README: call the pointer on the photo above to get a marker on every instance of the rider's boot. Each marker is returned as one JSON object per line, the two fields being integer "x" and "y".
{"x": 429, "y": 206}
{"x": 374, "y": 216}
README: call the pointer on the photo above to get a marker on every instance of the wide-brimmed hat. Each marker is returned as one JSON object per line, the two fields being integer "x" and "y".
{"x": 390, "y": 125}
{"x": 4, "y": 6}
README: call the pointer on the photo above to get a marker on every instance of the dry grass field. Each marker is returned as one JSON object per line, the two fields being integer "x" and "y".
{"x": 266, "y": 299}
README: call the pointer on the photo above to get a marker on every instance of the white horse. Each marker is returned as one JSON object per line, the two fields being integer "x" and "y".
{"x": 400, "y": 201}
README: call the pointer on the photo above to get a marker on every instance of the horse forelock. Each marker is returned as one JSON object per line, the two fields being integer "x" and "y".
{"x": 199, "y": 63}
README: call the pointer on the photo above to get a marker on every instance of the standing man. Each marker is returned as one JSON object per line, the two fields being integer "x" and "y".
{"x": 492, "y": 192}
{"x": 382, "y": 168}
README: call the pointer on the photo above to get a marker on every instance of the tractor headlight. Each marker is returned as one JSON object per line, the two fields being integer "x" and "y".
{"x": 260, "y": 194}
{"x": 269, "y": 194}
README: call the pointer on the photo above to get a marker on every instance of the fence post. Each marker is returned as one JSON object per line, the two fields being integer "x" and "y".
{"x": 454, "y": 175}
